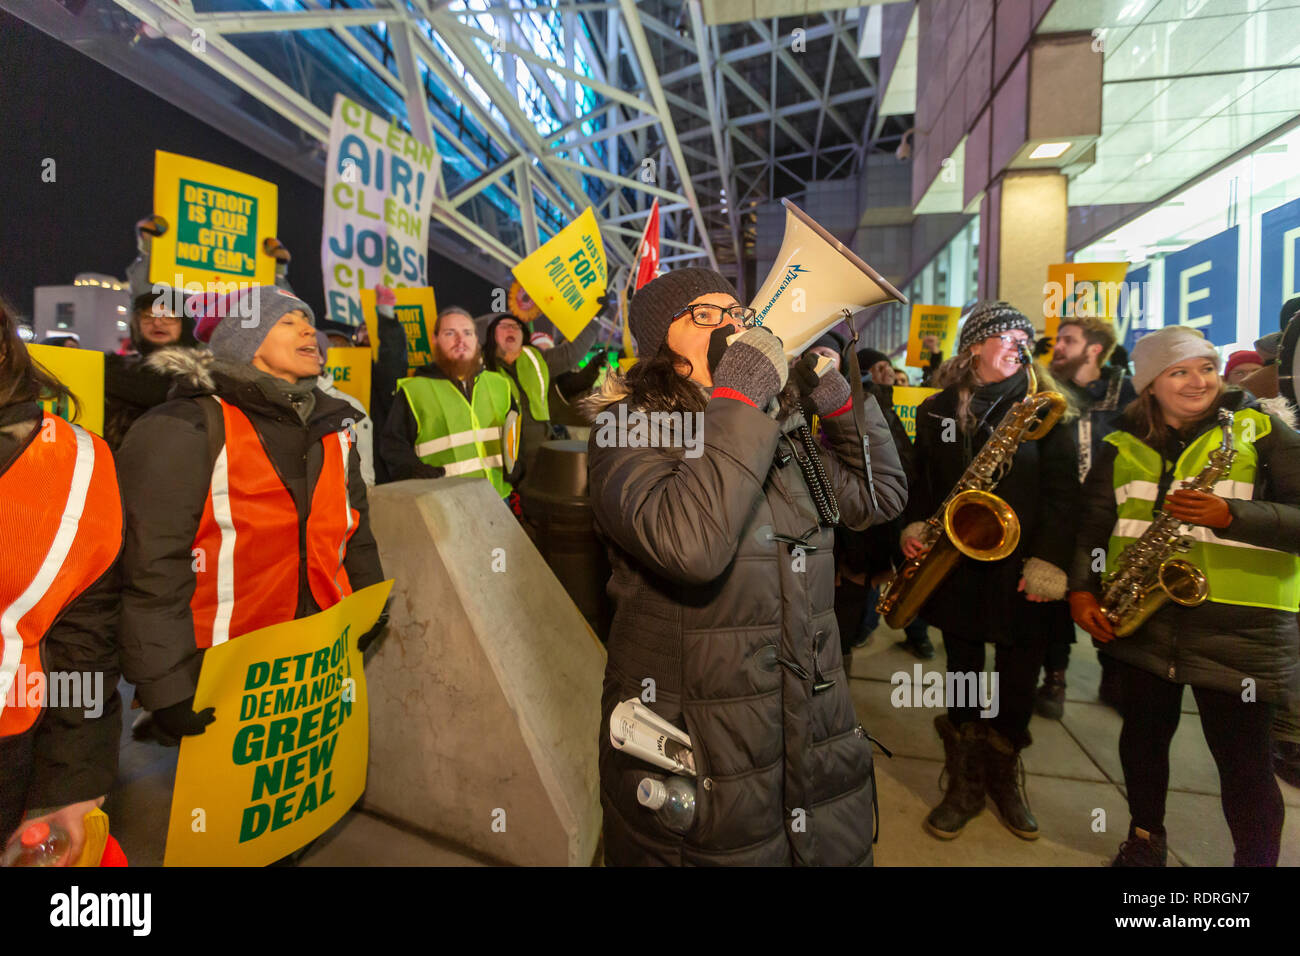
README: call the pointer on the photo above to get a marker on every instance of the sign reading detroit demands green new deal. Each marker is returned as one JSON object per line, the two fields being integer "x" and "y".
{"x": 217, "y": 229}
{"x": 292, "y": 710}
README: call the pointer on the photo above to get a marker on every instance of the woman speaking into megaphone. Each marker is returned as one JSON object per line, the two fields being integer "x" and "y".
{"x": 717, "y": 508}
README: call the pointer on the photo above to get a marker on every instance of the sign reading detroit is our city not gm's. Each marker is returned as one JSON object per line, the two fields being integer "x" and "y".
{"x": 217, "y": 218}
{"x": 379, "y": 186}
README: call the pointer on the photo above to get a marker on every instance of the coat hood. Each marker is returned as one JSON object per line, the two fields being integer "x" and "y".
{"x": 190, "y": 367}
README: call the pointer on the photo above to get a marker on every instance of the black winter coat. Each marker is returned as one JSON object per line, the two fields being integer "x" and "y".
{"x": 68, "y": 756}
{"x": 876, "y": 549}
{"x": 165, "y": 469}
{"x": 132, "y": 387}
{"x": 979, "y": 600}
{"x": 1214, "y": 645}
{"x": 733, "y": 627}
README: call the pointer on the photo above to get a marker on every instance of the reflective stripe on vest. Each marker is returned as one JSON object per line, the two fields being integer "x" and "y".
{"x": 535, "y": 380}
{"x": 460, "y": 436}
{"x": 245, "y": 552}
{"x": 1238, "y": 573}
{"x": 61, "y": 523}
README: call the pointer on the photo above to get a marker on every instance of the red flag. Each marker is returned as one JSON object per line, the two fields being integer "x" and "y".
{"x": 648, "y": 262}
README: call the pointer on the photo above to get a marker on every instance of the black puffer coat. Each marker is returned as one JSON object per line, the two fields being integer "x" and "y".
{"x": 732, "y": 629}
{"x": 1214, "y": 645}
{"x": 979, "y": 600}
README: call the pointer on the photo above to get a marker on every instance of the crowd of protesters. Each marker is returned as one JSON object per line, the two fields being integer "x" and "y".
{"x": 229, "y": 492}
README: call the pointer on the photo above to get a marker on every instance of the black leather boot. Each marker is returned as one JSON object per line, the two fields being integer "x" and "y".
{"x": 963, "y": 763}
{"x": 1142, "y": 849}
{"x": 1050, "y": 702}
{"x": 1005, "y": 776}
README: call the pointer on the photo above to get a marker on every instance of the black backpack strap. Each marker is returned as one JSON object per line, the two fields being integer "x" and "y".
{"x": 215, "y": 424}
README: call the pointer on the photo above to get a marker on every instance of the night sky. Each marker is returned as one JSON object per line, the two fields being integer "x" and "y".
{"x": 101, "y": 130}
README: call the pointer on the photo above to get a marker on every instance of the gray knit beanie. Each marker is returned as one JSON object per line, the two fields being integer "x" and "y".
{"x": 1158, "y": 350}
{"x": 655, "y": 304}
{"x": 247, "y": 316}
{"x": 988, "y": 319}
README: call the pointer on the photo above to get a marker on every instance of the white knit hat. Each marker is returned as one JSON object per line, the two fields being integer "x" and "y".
{"x": 1158, "y": 350}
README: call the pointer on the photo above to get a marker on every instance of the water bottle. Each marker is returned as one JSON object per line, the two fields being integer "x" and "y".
{"x": 41, "y": 844}
{"x": 673, "y": 799}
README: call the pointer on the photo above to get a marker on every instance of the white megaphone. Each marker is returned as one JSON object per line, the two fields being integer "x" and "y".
{"x": 814, "y": 279}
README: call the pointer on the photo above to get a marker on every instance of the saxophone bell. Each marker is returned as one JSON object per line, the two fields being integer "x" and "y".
{"x": 981, "y": 525}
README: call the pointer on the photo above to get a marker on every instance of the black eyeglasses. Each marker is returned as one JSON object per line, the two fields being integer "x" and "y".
{"x": 708, "y": 316}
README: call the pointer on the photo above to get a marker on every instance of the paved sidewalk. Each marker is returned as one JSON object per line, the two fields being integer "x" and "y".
{"x": 1072, "y": 771}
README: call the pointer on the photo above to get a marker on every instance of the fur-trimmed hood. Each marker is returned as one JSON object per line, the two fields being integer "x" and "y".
{"x": 1281, "y": 408}
{"x": 192, "y": 368}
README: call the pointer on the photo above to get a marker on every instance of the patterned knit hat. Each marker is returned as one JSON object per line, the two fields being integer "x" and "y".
{"x": 655, "y": 304}
{"x": 987, "y": 319}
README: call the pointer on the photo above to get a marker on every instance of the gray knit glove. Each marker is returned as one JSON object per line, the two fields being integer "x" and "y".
{"x": 753, "y": 365}
{"x": 823, "y": 395}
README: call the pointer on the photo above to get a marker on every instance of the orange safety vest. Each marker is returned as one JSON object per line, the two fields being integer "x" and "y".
{"x": 247, "y": 546}
{"x": 61, "y": 523}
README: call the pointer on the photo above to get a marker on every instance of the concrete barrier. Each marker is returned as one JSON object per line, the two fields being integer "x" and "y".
{"x": 485, "y": 695}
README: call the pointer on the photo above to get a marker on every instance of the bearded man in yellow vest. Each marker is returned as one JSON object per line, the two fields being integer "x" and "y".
{"x": 454, "y": 418}
{"x": 529, "y": 371}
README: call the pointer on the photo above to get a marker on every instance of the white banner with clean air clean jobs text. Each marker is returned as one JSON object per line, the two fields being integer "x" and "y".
{"x": 379, "y": 185}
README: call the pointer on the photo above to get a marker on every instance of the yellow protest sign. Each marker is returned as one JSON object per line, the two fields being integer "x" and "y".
{"x": 906, "y": 400}
{"x": 82, "y": 370}
{"x": 1082, "y": 289}
{"x": 286, "y": 756}
{"x": 417, "y": 310}
{"x": 937, "y": 320}
{"x": 350, "y": 369}
{"x": 218, "y": 219}
{"x": 567, "y": 275}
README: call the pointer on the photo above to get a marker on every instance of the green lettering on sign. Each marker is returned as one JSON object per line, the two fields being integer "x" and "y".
{"x": 217, "y": 229}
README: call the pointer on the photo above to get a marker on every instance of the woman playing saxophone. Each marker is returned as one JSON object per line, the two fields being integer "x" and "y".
{"x": 1010, "y": 601}
{"x": 1238, "y": 648}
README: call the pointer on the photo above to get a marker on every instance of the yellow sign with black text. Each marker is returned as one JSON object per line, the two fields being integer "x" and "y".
{"x": 285, "y": 757}
{"x": 217, "y": 220}
{"x": 567, "y": 275}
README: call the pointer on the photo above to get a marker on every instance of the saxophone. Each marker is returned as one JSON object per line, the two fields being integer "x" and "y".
{"x": 1147, "y": 574}
{"x": 972, "y": 521}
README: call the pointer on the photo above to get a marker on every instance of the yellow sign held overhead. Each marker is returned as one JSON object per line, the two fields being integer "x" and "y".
{"x": 1083, "y": 290}
{"x": 937, "y": 320}
{"x": 218, "y": 220}
{"x": 83, "y": 372}
{"x": 567, "y": 275}
{"x": 285, "y": 757}
{"x": 417, "y": 310}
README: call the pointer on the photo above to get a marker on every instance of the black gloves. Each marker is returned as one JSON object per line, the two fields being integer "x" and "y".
{"x": 180, "y": 720}
{"x": 376, "y": 632}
